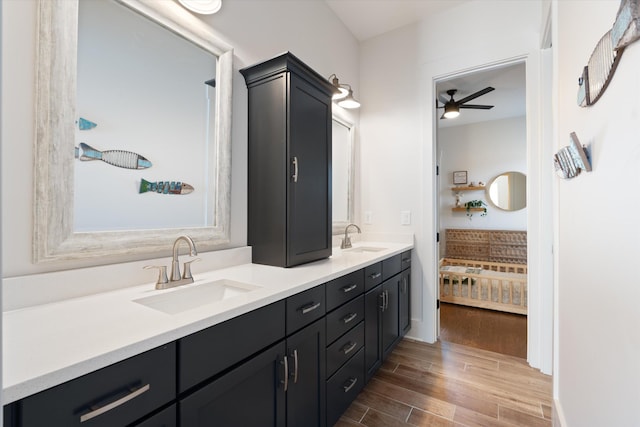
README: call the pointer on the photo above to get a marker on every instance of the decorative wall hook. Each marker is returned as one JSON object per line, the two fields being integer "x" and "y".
{"x": 572, "y": 159}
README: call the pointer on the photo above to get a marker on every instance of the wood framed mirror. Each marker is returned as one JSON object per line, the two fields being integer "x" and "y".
{"x": 57, "y": 234}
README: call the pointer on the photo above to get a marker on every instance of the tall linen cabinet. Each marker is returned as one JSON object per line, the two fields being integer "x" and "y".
{"x": 289, "y": 194}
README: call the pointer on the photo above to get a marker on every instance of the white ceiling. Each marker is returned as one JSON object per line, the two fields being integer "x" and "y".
{"x": 370, "y": 18}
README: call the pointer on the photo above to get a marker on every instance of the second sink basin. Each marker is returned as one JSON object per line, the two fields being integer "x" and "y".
{"x": 174, "y": 301}
{"x": 362, "y": 249}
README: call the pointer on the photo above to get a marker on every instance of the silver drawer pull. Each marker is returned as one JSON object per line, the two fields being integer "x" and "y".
{"x": 348, "y": 318}
{"x": 114, "y": 404}
{"x": 349, "y": 288}
{"x": 349, "y": 347}
{"x": 375, "y": 275}
{"x": 295, "y": 169}
{"x": 405, "y": 260}
{"x": 350, "y": 386}
{"x": 310, "y": 308}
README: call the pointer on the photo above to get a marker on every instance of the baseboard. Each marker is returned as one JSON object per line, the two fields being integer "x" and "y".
{"x": 558, "y": 416}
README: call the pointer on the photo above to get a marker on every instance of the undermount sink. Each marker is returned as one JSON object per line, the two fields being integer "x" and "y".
{"x": 185, "y": 298}
{"x": 363, "y": 249}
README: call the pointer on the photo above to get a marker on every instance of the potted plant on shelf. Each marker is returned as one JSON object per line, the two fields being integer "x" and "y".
{"x": 475, "y": 204}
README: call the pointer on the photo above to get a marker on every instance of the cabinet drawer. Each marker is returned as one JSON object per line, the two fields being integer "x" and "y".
{"x": 344, "y": 289}
{"x": 304, "y": 308}
{"x": 344, "y": 386}
{"x": 165, "y": 418}
{"x": 391, "y": 266}
{"x": 344, "y": 347}
{"x": 207, "y": 353}
{"x": 116, "y": 395}
{"x": 406, "y": 260}
{"x": 344, "y": 318}
{"x": 372, "y": 276}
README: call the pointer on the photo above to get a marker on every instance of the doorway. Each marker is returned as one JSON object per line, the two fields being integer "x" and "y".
{"x": 486, "y": 140}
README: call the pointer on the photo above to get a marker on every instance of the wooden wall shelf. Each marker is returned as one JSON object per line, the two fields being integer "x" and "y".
{"x": 463, "y": 209}
{"x": 467, "y": 188}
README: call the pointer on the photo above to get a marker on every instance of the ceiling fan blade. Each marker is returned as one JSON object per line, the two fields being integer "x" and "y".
{"x": 476, "y": 107}
{"x": 475, "y": 95}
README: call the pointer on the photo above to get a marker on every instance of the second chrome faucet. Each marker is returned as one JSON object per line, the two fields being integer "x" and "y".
{"x": 176, "y": 278}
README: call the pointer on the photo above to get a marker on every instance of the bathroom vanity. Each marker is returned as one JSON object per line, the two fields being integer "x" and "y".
{"x": 284, "y": 347}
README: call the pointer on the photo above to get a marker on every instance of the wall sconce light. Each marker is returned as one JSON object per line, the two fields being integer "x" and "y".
{"x": 203, "y": 7}
{"x": 344, "y": 96}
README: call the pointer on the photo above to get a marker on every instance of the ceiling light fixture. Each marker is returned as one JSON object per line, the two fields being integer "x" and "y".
{"x": 203, "y": 7}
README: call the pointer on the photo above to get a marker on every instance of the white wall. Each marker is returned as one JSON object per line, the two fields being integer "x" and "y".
{"x": 398, "y": 70}
{"x": 485, "y": 150}
{"x": 597, "y": 315}
{"x": 257, "y": 30}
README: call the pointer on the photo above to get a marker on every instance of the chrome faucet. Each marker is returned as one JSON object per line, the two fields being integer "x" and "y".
{"x": 175, "y": 265}
{"x": 346, "y": 241}
{"x": 176, "y": 279}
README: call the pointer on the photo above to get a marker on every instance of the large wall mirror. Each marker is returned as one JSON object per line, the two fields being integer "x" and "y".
{"x": 342, "y": 173}
{"x": 133, "y": 129}
{"x": 508, "y": 191}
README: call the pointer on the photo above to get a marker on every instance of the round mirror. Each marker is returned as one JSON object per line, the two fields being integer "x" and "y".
{"x": 508, "y": 191}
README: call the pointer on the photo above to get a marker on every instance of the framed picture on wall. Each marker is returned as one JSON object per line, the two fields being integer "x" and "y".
{"x": 460, "y": 177}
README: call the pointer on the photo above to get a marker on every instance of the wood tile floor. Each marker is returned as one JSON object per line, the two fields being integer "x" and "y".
{"x": 447, "y": 384}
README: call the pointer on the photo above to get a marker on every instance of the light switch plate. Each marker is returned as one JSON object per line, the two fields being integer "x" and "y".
{"x": 368, "y": 217}
{"x": 405, "y": 218}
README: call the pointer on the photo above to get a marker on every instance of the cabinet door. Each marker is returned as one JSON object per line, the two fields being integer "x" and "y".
{"x": 372, "y": 327}
{"x": 390, "y": 325}
{"x": 405, "y": 302}
{"x": 309, "y": 188}
{"x": 252, "y": 395}
{"x": 306, "y": 387}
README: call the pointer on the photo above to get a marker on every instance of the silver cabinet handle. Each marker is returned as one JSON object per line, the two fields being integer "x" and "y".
{"x": 404, "y": 285}
{"x": 106, "y": 408}
{"x": 295, "y": 169}
{"x": 349, "y": 288}
{"x": 295, "y": 366}
{"x": 382, "y": 303}
{"x": 375, "y": 275}
{"x": 348, "y": 348}
{"x": 349, "y": 317}
{"x": 350, "y": 386}
{"x": 386, "y": 300}
{"x": 285, "y": 382}
{"x": 310, "y": 308}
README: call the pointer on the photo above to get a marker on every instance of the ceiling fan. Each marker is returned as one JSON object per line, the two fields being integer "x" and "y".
{"x": 452, "y": 107}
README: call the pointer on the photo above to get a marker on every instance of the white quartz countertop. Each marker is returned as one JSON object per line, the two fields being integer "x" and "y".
{"x": 48, "y": 344}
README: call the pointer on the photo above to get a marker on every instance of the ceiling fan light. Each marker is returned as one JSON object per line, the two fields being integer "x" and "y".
{"x": 451, "y": 111}
{"x": 349, "y": 101}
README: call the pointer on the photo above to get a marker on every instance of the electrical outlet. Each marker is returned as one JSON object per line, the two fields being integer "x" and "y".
{"x": 405, "y": 218}
{"x": 368, "y": 217}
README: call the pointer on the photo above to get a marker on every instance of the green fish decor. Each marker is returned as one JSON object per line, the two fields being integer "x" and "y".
{"x": 165, "y": 187}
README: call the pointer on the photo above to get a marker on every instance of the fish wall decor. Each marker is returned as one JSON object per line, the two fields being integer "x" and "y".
{"x": 119, "y": 158}
{"x": 84, "y": 124}
{"x": 165, "y": 187}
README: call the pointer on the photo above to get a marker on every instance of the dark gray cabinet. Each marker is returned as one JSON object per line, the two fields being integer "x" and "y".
{"x": 289, "y": 182}
{"x": 299, "y": 361}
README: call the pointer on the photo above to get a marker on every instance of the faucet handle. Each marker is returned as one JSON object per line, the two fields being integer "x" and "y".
{"x": 162, "y": 273}
{"x": 187, "y": 268}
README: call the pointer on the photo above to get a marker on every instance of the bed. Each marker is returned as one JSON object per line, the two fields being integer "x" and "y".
{"x": 486, "y": 269}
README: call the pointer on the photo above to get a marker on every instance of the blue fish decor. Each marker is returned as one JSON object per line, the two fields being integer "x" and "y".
{"x": 119, "y": 158}
{"x": 165, "y": 187}
{"x": 84, "y": 124}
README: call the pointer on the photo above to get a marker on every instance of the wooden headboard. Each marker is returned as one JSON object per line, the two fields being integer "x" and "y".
{"x": 487, "y": 245}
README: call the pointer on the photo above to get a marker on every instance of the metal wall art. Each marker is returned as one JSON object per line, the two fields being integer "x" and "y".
{"x": 602, "y": 64}
{"x": 572, "y": 159}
